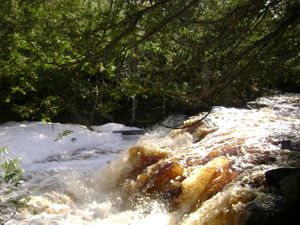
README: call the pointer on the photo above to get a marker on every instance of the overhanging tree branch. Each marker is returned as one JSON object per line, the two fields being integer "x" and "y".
{"x": 163, "y": 23}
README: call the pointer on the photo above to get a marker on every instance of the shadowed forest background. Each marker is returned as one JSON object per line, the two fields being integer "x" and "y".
{"x": 96, "y": 61}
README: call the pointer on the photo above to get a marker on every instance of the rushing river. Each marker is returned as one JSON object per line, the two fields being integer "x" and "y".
{"x": 212, "y": 172}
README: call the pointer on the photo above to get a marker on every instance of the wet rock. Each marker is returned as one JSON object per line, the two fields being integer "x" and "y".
{"x": 290, "y": 189}
{"x": 293, "y": 145}
{"x": 287, "y": 182}
{"x": 130, "y": 132}
{"x": 269, "y": 211}
{"x": 274, "y": 176}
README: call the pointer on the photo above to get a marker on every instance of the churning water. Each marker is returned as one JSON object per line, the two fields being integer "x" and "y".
{"x": 209, "y": 173}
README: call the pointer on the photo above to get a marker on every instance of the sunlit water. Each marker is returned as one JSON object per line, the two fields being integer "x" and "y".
{"x": 205, "y": 174}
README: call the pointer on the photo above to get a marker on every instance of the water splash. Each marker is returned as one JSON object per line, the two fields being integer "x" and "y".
{"x": 208, "y": 174}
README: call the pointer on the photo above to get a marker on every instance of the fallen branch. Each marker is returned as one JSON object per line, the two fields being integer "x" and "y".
{"x": 191, "y": 124}
{"x": 14, "y": 213}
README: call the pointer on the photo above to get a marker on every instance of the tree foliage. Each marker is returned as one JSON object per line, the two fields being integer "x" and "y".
{"x": 10, "y": 172}
{"x": 90, "y": 58}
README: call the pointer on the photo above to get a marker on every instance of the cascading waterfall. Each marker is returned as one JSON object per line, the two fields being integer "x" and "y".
{"x": 210, "y": 173}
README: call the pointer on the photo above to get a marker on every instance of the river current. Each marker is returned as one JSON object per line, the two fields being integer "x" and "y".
{"x": 208, "y": 173}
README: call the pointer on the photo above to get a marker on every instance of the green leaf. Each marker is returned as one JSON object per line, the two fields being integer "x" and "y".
{"x": 63, "y": 134}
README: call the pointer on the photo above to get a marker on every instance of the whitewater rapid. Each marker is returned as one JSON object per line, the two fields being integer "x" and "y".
{"x": 206, "y": 174}
{"x": 62, "y": 172}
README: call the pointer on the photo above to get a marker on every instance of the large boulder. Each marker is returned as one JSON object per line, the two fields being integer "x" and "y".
{"x": 280, "y": 208}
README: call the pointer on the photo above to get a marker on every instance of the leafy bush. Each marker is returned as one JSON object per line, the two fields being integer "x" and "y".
{"x": 10, "y": 172}
{"x": 10, "y": 178}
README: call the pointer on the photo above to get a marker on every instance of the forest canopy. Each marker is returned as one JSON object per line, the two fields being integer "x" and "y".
{"x": 93, "y": 61}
